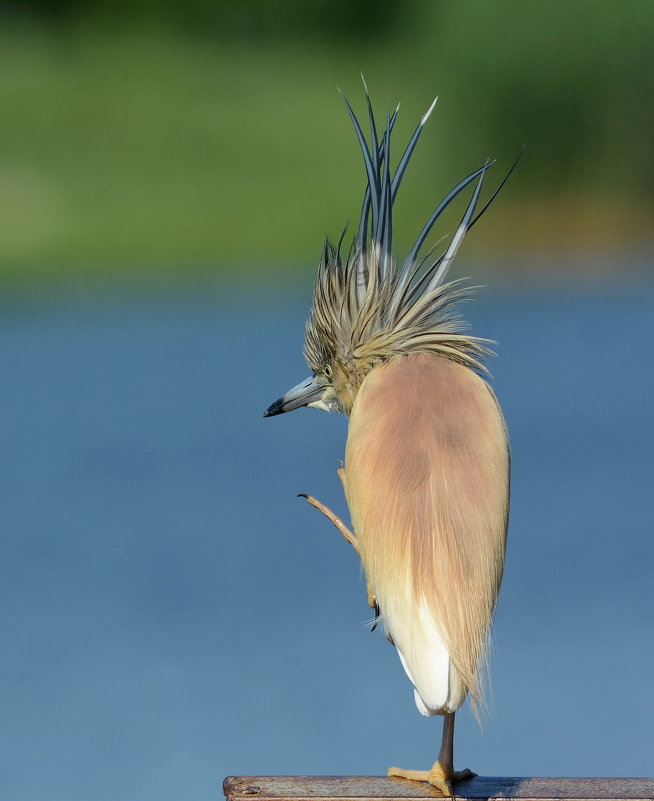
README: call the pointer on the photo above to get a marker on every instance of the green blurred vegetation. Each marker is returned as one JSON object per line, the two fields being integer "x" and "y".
{"x": 159, "y": 135}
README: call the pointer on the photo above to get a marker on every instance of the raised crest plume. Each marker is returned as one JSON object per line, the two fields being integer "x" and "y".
{"x": 365, "y": 309}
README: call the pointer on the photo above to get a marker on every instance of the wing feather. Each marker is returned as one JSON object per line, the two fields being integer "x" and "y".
{"x": 427, "y": 483}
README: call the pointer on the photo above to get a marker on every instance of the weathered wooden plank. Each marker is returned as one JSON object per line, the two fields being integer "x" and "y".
{"x": 381, "y": 788}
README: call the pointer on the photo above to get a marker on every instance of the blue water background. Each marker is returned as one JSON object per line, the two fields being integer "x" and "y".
{"x": 171, "y": 613}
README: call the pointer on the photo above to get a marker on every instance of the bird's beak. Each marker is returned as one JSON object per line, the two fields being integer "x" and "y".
{"x": 304, "y": 394}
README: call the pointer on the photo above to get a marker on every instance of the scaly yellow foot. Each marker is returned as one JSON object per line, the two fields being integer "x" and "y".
{"x": 439, "y": 778}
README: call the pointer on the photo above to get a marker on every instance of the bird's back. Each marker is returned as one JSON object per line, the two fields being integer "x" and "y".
{"x": 427, "y": 483}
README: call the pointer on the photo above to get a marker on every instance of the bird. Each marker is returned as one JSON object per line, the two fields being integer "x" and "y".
{"x": 427, "y": 459}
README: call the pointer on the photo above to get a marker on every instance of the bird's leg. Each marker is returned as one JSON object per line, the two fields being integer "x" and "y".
{"x": 443, "y": 768}
{"x": 340, "y": 525}
{"x": 442, "y": 774}
{"x": 347, "y": 534}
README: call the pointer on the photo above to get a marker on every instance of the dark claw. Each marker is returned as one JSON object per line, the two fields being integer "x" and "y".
{"x": 376, "y": 621}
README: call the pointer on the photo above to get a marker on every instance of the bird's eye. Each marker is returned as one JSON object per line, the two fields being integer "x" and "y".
{"x": 328, "y": 372}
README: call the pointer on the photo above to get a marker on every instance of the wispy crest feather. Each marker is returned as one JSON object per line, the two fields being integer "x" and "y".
{"x": 365, "y": 310}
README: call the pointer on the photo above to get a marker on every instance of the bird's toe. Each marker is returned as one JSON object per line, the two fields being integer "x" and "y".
{"x": 413, "y": 775}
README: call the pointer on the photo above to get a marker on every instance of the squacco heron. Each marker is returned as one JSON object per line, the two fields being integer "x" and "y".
{"x": 426, "y": 473}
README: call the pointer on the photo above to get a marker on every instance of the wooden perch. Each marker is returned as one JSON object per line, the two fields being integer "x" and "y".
{"x": 381, "y": 788}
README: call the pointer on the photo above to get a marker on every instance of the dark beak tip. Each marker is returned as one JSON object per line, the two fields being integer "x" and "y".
{"x": 275, "y": 408}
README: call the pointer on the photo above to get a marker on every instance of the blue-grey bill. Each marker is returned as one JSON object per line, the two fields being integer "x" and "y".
{"x": 306, "y": 392}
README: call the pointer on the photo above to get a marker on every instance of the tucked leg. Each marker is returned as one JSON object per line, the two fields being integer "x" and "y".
{"x": 345, "y": 531}
{"x": 340, "y": 525}
{"x": 442, "y": 774}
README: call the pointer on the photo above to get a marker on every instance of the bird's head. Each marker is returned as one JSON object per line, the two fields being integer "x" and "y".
{"x": 364, "y": 310}
{"x": 328, "y": 388}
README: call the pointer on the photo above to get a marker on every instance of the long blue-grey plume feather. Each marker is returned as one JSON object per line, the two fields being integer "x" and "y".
{"x": 364, "y": 309}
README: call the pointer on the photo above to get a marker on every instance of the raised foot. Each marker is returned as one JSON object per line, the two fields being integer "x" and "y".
{"x": 439, "y": 778}
{"x": 340, "y": 525}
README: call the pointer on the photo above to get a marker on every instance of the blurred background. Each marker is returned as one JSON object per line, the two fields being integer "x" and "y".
{"x": 170, "y": 612}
